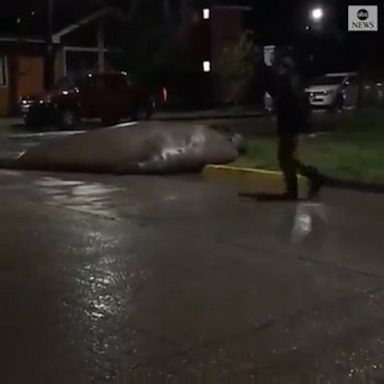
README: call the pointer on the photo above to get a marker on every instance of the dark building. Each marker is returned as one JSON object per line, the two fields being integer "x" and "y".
{"x": 207, "y": 29}
{"x": 85, "y": 34}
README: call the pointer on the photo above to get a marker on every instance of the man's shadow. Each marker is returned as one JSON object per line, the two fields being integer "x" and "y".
{"x": 270, "y": 197}
{"x": 302, "y": 222}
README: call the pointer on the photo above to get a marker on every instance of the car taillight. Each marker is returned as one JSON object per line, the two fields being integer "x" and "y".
{"x": 164, "y": 95}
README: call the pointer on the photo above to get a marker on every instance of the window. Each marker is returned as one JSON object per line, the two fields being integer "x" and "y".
{"x": 3, "y": 71}
{"x": 352, "y": 80}
{"x": 206, "y": 13}
{"x": 206, "y": 66}
{"x": 115, "y": 83}
{"x": 95, "y": 82}
{"x": 328, "y": 80}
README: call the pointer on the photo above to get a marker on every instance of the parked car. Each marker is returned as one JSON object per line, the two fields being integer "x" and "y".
{"x": 109, "y": 97}
{"x": 334, "y": 91}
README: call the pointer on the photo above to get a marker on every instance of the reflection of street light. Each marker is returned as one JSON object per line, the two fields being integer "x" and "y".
{"x": 317, "y": 14}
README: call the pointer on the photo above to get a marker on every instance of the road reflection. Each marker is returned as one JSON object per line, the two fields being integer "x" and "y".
{"x": 308, "y": 219}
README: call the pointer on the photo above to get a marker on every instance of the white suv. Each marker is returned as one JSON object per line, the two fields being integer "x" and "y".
{"x": 334, "y": 90}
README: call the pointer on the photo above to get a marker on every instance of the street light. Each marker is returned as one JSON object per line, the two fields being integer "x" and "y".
{"x": 317, "y": 14}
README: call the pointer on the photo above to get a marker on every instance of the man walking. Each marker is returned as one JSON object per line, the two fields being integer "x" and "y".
{"x": 293, "y": 112}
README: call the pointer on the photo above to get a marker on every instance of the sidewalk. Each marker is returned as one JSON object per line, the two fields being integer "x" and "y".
{"x": 213, "y": 114}
{"x": 232, "y": 113}
{"x": 247, "y": 122}
{"x": 7, "y": 123}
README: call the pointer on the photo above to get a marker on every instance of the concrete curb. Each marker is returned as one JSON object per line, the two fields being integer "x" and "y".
{"x": 249, "y": 179}
{"x": 203, "y": 117}
{"x": 274, "y": 179}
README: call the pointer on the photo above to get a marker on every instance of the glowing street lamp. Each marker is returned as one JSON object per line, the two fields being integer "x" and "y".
{"x": 317, "y": 14}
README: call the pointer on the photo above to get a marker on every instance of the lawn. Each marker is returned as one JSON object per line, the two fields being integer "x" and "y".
{"x": 354, "y": 152}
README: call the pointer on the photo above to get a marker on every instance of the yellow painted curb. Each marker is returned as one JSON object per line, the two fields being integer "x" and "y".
{"x": 247, "y": 176}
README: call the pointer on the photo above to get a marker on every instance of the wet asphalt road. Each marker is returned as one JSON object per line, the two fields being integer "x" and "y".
{"x": 177, "y": 280}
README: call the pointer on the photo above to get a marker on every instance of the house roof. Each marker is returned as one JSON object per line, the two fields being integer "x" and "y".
{"x": 87, "y": 19}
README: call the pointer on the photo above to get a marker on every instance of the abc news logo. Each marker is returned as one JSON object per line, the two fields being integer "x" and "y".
{"x": 363, "y": 15}
{"x": 363, "y": 18}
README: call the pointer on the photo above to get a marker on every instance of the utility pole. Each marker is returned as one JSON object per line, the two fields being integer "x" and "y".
{"x": 49, "y": 55}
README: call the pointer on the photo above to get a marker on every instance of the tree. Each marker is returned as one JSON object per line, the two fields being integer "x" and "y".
{"x": 237, "y": 66}
{"x": 154, "y": 50}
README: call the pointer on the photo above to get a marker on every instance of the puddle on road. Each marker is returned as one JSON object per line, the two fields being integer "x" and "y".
{"x": 49, "y": 182}
{"x": 6, "y": 172}
{"x": 93, "y": 198}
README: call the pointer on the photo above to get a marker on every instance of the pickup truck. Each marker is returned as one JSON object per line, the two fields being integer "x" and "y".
{"x": 109, "y": 97}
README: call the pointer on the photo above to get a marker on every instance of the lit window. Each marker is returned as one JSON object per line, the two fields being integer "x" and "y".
{"x": 206, "y": 66}
{"x": 206, "y": 13}
{"x": 165, "y": 94}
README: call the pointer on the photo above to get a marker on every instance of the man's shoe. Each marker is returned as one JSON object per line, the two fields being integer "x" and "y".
{"x": 315, "y": 185}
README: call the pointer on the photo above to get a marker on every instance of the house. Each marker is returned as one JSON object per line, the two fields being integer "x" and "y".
{"x": 81, "y": 46}
{"x": 21, "y": 70}
{"x": 196, "y": 34}
{"x": 85, "y": 43}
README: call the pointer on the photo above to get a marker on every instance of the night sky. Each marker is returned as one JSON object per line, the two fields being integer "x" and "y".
{"x": 275, "y": 21}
